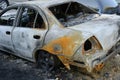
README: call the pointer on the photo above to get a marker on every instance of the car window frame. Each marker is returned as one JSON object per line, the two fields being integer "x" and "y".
{"x": 39, "y": 11}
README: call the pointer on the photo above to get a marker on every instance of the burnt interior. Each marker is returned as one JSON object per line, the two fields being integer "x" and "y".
{"x": 72, "y": 13}
{"x": 31, "y": 18}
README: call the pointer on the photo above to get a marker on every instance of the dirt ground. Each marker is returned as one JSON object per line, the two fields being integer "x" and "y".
{"x": 14, "y": 68}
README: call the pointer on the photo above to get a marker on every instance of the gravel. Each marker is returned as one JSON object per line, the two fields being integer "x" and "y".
{"x": 14, "y": 68}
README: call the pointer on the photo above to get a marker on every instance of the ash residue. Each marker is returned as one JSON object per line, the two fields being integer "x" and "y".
{"x": 14, "y": 68}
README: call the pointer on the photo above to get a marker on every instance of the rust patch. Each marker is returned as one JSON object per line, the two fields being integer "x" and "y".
{"x": 64, "y": 47}
{"x": 99, "y": 66}
{"x": 65, "y": 61}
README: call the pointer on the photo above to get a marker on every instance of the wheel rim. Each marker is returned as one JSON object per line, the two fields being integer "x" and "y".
{"x": 3, "y": 5}
{"x": 46, "y": 61}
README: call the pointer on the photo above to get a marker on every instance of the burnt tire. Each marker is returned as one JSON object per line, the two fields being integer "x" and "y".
{"x": 46, "y": 61}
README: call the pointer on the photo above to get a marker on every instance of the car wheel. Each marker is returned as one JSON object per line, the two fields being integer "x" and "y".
{"x": 4, "y": 4}
{"x": 46, "y": 61}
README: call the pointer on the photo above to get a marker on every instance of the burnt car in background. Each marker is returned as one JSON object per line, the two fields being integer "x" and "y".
{"x": 3, "y": 4}
{"x": 103, "y": 6}
{"x": 50, "y": 32}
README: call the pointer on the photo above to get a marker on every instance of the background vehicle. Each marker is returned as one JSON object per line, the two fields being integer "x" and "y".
{"x": 102, "y": 6}
{"x": 3, "y": 4}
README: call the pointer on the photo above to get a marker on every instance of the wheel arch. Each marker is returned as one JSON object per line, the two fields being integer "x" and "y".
{"x": 35, "y": 54}
{"x": 57, "y": 60}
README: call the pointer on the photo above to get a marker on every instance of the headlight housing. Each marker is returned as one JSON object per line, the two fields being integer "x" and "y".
{"x": 91, "y": 45}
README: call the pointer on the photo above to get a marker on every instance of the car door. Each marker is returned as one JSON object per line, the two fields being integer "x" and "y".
{"x": 7, "y": 21}
{"x": 29, "y": 34}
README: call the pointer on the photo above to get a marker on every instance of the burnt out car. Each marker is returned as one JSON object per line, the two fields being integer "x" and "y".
{"x": 5, "y": 3}
{"x": 50, "y": 31}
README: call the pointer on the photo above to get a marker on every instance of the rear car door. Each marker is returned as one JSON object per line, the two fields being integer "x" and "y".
{"x": 7, "y": 22}
{"x": 29, "y": 34}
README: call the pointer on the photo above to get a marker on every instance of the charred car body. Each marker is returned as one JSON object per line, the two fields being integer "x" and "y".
{"x": 45, "y": 31}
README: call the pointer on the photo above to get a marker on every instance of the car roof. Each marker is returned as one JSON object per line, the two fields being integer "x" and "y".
{"x": 46, "y": 3}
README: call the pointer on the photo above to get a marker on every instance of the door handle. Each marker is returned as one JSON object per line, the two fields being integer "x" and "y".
{"x": 8, "y": 32}
{"x": 36, "y": 36}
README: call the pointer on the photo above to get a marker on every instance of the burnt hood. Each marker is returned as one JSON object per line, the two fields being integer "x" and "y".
{"x": 99, "y": 5}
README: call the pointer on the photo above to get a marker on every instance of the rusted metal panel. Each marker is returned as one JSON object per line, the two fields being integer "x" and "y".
{"x": 104, "y": 24}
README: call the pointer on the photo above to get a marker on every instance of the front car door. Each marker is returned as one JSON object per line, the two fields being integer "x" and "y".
{"x": 7, "y": 22}
{"x": 29, "y": 34}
